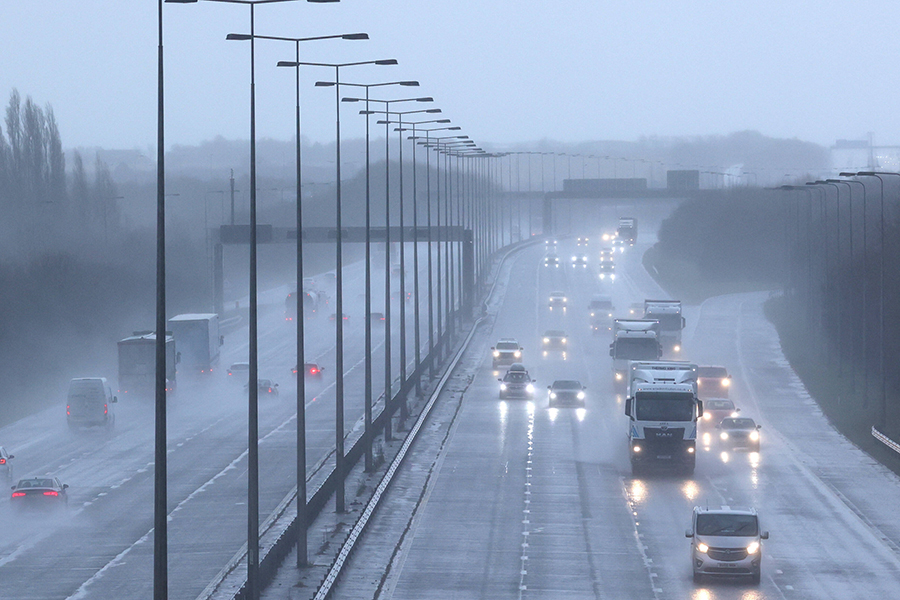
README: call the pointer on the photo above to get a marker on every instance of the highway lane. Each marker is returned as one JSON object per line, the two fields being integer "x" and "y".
{"x": 532, "y": 502}
{"x": 102, "y": 546}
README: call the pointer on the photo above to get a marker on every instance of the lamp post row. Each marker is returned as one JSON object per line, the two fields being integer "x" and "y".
{"x": 160, "y": 581}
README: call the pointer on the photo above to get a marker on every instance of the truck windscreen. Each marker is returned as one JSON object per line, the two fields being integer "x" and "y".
{"x": 637, "y": 349}
{"x": 658, "y": 406}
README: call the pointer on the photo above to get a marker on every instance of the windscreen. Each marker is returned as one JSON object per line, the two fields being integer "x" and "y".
{"x": 566, "y": 385}
{"x": 507, "y": 346}
{"x": 637, "y": 349}
{"x": 727, "y": 525}
{"x": 516, "y": 377}
{"x": 659, "y": 406}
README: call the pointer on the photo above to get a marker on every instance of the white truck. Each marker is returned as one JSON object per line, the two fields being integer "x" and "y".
{"x": 198, "y": 340}
{"x": 661, "y": 371}
{"x": 137, "y": 364}
{"x": 668, "y": 313}
{"x": 633, "y": 339}
{"x": 662, "y": 427}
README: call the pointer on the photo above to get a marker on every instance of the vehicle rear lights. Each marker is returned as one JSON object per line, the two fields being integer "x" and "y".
{"x": 18, "y": 494}
{"x": 313, "y": 371}
{"x": 51, "y": 493}
{"x": 2, "y": 461}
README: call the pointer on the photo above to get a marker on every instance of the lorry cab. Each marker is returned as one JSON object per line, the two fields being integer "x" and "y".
{"x": 662, "y": 426}
{"x": 90, "y": 403}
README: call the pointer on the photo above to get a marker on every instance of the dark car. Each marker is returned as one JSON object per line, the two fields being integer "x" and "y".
{"x": 517, "y": 383}
{"x": 506, "y": 352}
{"x": 551, "y": 260}
{"x": 6, "y": 469}
{"x": 739, "y": 433}
{"x": 716, "y": 409}
{"x": 579, "y": 260}
{"x": 566, "y": 392}
{"x": 39, "y": 493}
{"x": 713, "y": 381}
{"x": 377, "y": 318}
{"x": 239, "y": 371}
{"x": 582, "y": 241}
{"x": 310, "y": 369}
{"x": 600, "y": 313}
{"x": 264, "y": 387}
{"x": 333, "y": 317}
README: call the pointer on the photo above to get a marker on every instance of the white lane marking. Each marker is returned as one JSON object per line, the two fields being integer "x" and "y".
{"x": 82, "y": 591}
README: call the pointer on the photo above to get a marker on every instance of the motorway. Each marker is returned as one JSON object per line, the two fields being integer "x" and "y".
{"x": 102, "y": 545}
{"x": 523, "y": 501}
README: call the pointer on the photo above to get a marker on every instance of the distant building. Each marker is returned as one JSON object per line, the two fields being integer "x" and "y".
{"x": 863, "y": 155}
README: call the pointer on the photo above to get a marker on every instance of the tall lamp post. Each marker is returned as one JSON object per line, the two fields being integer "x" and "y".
{"x": 253, "y": 402}
{"x": 388, "y": 379}
{"x": 367, "y": 416}
{"x": 302, "y": 555}
{"x": 339, "y": 276}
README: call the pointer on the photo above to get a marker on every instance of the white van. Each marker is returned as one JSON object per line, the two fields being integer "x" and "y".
{"x": 90, "y": 403}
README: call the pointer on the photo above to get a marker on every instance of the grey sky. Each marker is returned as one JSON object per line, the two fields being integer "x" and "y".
{"x": 504, "y": 70}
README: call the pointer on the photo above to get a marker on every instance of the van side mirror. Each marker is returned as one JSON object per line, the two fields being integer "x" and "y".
{"x": 682, "y": 322}
{"x": 628, "y": 407}
{"x": 688, "y": 533}
{"x": 65, "y": 486}
{"x": 612, "y": 351}
{"x": 500, "y": 380}
{"x": 764, "y": 535}
{"x": 12, "y": 456}
{"x": 177, "y": 357}
{"x": 699, "y": 409}
{"x": 115, "y": 399}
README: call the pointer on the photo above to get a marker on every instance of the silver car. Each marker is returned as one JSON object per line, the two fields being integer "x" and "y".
{"x": 726, "y": 541}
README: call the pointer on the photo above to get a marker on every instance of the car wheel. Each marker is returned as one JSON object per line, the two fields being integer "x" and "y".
{"x": 697, "y": 577}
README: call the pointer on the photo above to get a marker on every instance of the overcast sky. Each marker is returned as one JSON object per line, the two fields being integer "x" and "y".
{"x": 505, "y": 70}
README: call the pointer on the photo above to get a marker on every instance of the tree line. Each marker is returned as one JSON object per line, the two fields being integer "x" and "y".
{"x": 44, "y": 209}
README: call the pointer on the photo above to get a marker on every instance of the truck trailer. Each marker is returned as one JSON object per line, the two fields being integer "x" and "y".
{"x": 633, "y": 339}
{"x": 671, "y": 322}
{"x": 198, "y": 340}
{"x": 137, "y": 364}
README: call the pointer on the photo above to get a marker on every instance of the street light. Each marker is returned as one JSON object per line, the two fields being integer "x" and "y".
{"x": 253, "y": 403}
{"x": 367, "y": 417}
{"x": 388, "y": 379}
{"x": 302, "y": 556}
{"x": 339, "y": 276}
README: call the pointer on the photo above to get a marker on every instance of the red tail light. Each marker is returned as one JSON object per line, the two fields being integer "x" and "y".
{"x": 51, "y": 493}
{"x": 313, "y": 371}
{"x": 2, "y": 461}
{"x": 18, "y": 494}
{"x": 105, "y": 410}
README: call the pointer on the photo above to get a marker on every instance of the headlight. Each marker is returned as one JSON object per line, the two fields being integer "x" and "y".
{"x": 754, "y": 435}
{"x": 546, "y": 340}
{"x": 602, "y": 275}
{"x": 592, "y": 314}
{"x": 636, "y": 448}
{"x": 553, "y": 395}
{"x": 677, "y": 348}
{"x": 610, "y": 315}
{"x": 574, "y": 259}
{"x": 707, "y": 416}
{"x": 565, "y": 299}
{"x": 753, "y": 548}
{"x": 701, "y": 547}
{"x": 529, "y": 388}
{"x": 564, "y": 340}
{"x": 503, "y": 387}
{"x": 517, "y": 354}
{"x": 581, "y": 395}
{"x": 496, "y": 353}
{"x": 612, "y": 276}
{"x": 690, "y": 450}
{"x": 734, "y": 414}
{"x": 618, "y": 377}
{"x": 726, "y": 382}
{"x": 723, "y": 435}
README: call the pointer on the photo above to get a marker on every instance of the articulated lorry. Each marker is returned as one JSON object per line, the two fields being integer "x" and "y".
{"x": 662, "y": 427}
{"x": 661, "y": 371}
{"x": 668, "y": 313}
{"x": 137, "y": 364}
{"x": 198, "y": 339}
{"x": 633, "y": 339}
